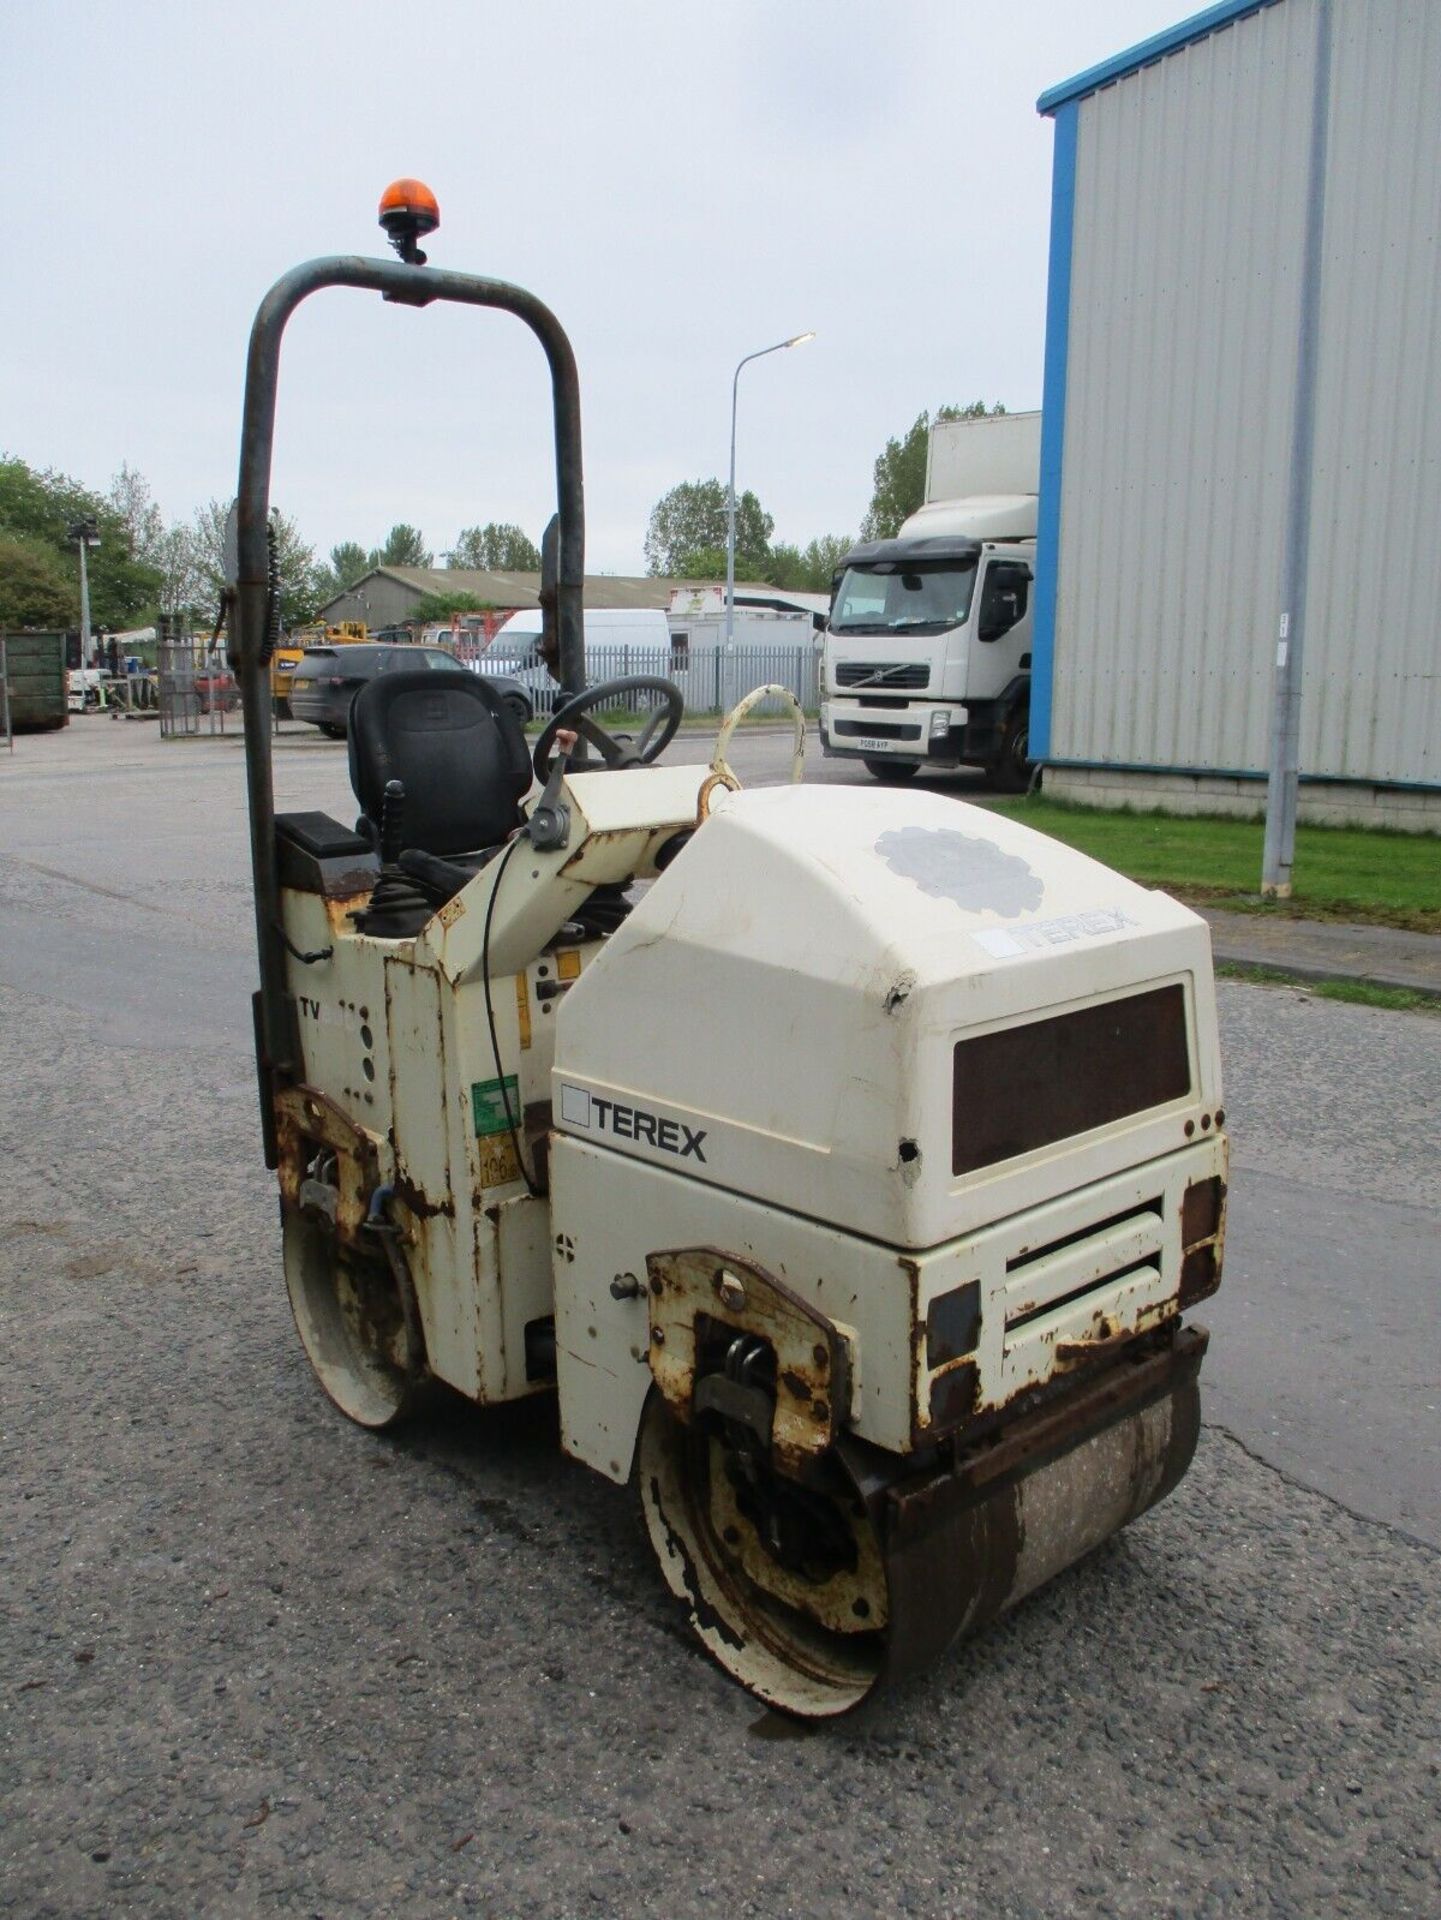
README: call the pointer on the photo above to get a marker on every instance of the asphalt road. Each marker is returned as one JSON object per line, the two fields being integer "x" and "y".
{"x": 256, "y": 1661}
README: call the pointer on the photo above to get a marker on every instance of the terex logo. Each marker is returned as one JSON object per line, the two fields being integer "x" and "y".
{"x": 581, "y": 1109}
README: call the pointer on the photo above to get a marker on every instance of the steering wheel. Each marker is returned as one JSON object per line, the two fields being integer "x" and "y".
{"x": 656, "y": 735}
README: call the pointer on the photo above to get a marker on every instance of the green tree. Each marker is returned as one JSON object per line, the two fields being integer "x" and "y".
{"x": 348, "y": 563}
{"x": 404, "y": 547}
{"x": 39, "y": 505}
{"x": 132, "y": 502}
{"x": 183, "y": 588}
{"x": 300, "y": 578}
{"x": 36, "y": 588}
{"x": 900, "y": 472}
{"x": 809, "y": 569}
{"x": 497, "y": 545}
{"x": 168, "y": 550}
{"x": 440, "y": 606}
{"x": 705, "y": 563}
{"x": 690, "y": 522}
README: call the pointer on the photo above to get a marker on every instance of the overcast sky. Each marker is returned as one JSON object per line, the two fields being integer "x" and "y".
{"x": 682, "y": 183}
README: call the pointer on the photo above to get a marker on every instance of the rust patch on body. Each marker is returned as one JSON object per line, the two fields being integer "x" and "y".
{"x": 691, "y": 1319}
{"x": 308, "y": 1122}
{"x": 340, "y": 906}
{"x": 415, "y": 1200}
{"x": 595, "y": 843}
{"x": 954, "y": 1395}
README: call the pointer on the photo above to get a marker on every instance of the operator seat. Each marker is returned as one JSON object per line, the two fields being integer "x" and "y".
{"x": 459, "y": 756}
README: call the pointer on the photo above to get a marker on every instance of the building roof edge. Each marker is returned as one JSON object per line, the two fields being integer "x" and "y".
{"x": 1146, "y": 52}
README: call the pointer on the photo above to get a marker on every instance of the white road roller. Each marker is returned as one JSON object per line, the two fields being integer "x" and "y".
{"x": 845, "y": 1160}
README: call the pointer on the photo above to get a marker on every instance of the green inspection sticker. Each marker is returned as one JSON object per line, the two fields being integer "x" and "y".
{"x": 487, "y": 1103}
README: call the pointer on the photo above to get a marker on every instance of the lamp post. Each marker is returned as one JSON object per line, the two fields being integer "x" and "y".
{"x": 85, "y": 534}
{"x": 796, "y": 340}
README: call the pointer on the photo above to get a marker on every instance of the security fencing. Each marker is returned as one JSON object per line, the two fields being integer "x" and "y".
{"x": 195, "y": 689}
{"x": 711, "y": 681}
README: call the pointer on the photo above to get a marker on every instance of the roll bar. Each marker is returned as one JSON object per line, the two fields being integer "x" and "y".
{"x": 406, "y": 285}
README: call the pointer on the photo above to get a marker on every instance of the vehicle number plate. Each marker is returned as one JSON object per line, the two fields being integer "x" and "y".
{"x": 875, "y": 746}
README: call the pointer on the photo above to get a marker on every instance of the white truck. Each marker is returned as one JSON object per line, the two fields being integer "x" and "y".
{"x": 927, "y": 658}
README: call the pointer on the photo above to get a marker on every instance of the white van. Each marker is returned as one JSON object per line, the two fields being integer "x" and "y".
{"x": 604, "y": 627}
{"x": 619, "y": 641}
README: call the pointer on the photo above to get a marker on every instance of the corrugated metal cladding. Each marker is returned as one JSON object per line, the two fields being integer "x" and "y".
{"x": 1179, "y": 374}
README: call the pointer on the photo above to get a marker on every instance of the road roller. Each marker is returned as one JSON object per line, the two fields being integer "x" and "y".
{"x": 845, "y": 1161}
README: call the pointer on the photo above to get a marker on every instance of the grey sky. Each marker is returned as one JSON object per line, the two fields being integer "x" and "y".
{"x": 682, "y": 183}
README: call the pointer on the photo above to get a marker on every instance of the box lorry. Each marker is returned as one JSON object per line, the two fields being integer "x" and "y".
{"x": 927, "y": 655}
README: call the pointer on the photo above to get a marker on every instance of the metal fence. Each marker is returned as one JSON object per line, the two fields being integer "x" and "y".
{"x": 195, "y": 688}
{"x": 711, "y": 680}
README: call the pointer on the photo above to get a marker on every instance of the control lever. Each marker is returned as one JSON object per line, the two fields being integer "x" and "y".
{"x": 392, "y": 821}
{"x": 549, "y": 822}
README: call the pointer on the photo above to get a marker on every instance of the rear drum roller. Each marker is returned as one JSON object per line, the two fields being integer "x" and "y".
{"x": 785, "y": 1584}
{"x": 812, "y": 1595}
{"x": 357, "y": 1322}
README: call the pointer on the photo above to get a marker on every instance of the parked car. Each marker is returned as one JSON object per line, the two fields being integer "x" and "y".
{"x": 327, "y": 679}
{"x": 216, "y": 686}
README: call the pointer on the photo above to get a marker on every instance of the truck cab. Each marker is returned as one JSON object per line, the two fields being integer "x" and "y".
{"x": 928, "y": 648}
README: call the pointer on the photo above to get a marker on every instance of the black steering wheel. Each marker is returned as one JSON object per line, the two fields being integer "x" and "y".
{"x": 655, "y": 737}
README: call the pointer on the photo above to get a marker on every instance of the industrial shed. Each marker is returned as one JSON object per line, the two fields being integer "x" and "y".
{"x": 1183, "y": 174}
{"x": 388, "y": 596}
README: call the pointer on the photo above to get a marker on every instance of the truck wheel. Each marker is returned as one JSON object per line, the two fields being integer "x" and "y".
{"x": 359, "y": 1330}
{"x": 801, "y": 1625}
{"x": 1010, "y": 771}
{"x": 331, "y": 729}
{"x": 892, "y": 772}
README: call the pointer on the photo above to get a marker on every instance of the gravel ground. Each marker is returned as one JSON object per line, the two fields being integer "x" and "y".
{"x": 257, "y": 1661}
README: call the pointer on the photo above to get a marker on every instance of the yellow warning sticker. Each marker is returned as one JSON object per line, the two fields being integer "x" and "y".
{"x": 522, "y": 1009}
{"x": 499, "y": 1162}
{"x": 567, "y": 964}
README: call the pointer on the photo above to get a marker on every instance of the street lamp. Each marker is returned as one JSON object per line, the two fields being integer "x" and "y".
{"x": 85, "y": 534}
{"x": 796, "y": 340}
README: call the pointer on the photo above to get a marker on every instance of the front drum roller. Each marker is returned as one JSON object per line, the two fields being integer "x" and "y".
{"x": 355, "y": 1314}
{"x": 916, "y": 1559}
{"x": 345, "y": 1270}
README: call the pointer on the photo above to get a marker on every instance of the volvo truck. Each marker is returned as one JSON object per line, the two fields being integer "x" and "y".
{"x": 927, "y": 659}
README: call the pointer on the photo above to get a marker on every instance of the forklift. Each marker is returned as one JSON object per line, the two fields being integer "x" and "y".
{"x": 846, "y": 1161}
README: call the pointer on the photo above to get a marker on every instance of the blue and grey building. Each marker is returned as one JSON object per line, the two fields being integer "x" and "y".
{"x": 1182, "y": 177}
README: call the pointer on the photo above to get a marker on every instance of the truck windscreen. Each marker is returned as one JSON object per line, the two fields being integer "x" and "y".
{"x": 889, "y": 600}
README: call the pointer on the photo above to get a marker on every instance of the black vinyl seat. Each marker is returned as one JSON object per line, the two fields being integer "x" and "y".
{"x": 460, "y": 758}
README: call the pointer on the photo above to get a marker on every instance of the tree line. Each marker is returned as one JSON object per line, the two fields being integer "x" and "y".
{"x": 688, "y": 530}
{"x": 145, "y": 565}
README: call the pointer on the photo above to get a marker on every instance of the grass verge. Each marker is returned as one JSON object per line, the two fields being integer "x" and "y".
{"x": 1367, "y": 876}
{"x": 1359, "y": 993}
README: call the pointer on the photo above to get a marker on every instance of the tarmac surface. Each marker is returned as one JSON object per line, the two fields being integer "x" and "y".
{"x": 256, "y": 1661}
